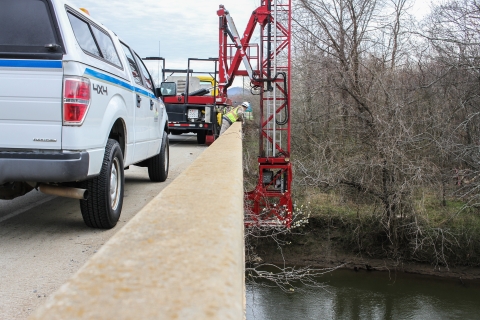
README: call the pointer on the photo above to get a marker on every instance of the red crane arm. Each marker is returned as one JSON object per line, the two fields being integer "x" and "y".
{"x": 229, "y": 65}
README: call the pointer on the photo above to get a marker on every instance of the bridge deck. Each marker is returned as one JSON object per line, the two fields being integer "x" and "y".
{"x": 180, "y": 257}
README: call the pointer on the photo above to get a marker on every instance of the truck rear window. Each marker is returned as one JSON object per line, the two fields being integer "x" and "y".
{"x": 88, "y": 42}
{"x": 26, "y": 26}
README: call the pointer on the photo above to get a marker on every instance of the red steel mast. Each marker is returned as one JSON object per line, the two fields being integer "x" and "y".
{"x": 270, "y": 202}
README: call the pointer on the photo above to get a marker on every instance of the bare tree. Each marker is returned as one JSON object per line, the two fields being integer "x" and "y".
{"x": 453, "y": 31}
{"x": 361, "y": 64}
{"x": 383, "y": 116}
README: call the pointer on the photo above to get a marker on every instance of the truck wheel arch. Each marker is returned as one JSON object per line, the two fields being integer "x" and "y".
{"x": 115, "y": 120}
{"x": 119, "y": 133}
{"x": 166, "y": 129}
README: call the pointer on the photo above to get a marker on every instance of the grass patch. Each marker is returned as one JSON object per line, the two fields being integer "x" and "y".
{"x": 435, "y": 234}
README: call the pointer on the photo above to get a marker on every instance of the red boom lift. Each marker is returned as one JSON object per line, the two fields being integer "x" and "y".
{"x": 270, "y": 74}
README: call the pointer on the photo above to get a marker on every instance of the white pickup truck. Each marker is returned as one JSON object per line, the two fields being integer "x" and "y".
{"x": 77, "y": 106}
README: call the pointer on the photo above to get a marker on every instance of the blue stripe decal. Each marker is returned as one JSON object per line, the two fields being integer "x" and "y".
{"x": 118, "y": 82}
{"x": 50, "y": 64}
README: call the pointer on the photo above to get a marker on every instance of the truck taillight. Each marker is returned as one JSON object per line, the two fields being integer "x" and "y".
{"x": 76, "y": 100}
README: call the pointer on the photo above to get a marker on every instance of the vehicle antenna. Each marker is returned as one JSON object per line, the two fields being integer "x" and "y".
{"x": 158, "y": 64}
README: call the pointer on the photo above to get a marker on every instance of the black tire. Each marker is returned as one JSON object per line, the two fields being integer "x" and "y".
{"x": 216, "y": 130}
{"x": 217, "y": 126}
{"x": 176, "y": 133}
{"x": 104, "y": 205}
{"x": 158, "y": 165}
{"x": 201, "y": 136}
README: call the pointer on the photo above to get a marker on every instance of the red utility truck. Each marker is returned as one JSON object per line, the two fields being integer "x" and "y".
{"x": 192, "y": 99}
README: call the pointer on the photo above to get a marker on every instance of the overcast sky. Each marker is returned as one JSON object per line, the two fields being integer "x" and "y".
{"x": 180, "y": 29}
{"x": 183, "y": 28}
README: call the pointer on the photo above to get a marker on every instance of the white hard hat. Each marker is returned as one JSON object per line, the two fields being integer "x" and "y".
{"x": 246, "y": 104}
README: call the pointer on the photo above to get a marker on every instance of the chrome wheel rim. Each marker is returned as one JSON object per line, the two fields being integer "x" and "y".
{"x": 115, "y": 184}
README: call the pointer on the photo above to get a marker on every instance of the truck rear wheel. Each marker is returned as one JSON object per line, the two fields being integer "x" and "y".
{"x": 158, "y": 165}
{"x": 104, "y": 205}
{"x": 201, "y": 135}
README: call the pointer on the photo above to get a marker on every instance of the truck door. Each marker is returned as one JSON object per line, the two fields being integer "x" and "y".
{"x": 142, "y": 109}
{"x": 156, "y": 131}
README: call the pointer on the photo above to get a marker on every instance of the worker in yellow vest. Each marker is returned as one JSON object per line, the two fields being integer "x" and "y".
{"x": 233, "y": 115}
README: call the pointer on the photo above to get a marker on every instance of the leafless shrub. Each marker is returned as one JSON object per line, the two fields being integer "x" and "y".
{"x": 283, "y": 275}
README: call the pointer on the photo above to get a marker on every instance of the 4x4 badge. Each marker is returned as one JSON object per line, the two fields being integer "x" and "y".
{"x": 100, "y": 89}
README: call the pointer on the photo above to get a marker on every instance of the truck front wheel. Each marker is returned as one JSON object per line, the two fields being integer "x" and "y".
{"x": 158, "y": 165}
{"x": 104, "y": 204}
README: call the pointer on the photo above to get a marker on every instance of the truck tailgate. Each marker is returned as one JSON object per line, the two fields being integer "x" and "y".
{"x": 31, "y": 104}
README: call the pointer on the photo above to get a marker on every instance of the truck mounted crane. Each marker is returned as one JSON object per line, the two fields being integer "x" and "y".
{"x": 268, "y": 65}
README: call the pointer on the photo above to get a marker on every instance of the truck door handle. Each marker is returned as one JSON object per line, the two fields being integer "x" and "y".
{"x": 139, "y": 99}
{"x": 151, "y": 104}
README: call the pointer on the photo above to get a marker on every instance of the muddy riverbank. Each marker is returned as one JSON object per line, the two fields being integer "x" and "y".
{"x": 317, "y": 245}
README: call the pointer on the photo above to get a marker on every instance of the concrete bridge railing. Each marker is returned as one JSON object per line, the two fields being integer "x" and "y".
{"x": 180, "y": 257}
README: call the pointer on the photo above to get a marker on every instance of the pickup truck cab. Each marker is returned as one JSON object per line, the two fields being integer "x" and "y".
{"x": 77, "y": 106}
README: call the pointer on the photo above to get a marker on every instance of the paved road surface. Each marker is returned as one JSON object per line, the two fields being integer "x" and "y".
{"x": 43, "y": 239}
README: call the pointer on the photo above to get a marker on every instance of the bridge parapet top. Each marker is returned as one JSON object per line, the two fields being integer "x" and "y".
{"x": 180, "y": 257}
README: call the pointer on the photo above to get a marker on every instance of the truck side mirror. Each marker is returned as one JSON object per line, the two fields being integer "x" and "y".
{"x": 168, "y": 89}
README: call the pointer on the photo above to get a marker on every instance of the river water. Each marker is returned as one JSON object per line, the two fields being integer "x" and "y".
{"x": 368, "y": 295}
